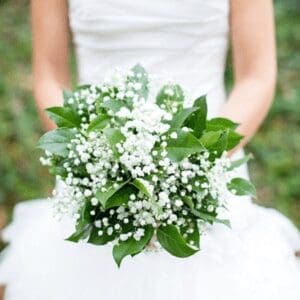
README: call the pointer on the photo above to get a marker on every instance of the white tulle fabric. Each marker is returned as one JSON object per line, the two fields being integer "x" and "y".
{"x": 186, "y": 40}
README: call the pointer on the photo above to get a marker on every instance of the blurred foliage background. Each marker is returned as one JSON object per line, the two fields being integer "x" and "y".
{"x": 275, "y": 170}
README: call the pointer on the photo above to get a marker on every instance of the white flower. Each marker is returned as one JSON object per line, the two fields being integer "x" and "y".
{"x": 110, "y": 230}
{"x": 87, "y": 193}
{"x": 98, "y": 224}
{"x": 169, "y": 92}
{"x": 137, "y": 86}
{"x": 94, "y": 201}
{"x": 132, "y": 197}
{"x": 173, "y": 135}
{"x": 120, "y": 95}
{"x": 117, "y": 226}
{"x": 178, "y": 203}
{"x": 139, "y": 234}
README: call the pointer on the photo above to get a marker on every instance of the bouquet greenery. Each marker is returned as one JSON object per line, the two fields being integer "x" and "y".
{"x": 140, "y": 169}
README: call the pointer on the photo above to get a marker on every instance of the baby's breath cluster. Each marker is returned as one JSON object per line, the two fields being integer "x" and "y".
{"x": 138, "y": 171}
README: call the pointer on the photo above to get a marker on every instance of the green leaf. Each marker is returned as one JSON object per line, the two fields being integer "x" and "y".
{"x": 113, "y": 105}
{"x": 210, "y": 138}
{"x": 85, "y": 218}
{"x": 224, "y": 222}
{"x": 120, "y": 197}
{"x": 56, "y": 141}
{"x": 67, "y": 95}
{"x": 111, "y": 190}
{"x": 164, "y": 98}
{"x": 210, "y": 218}
{"x": 83, "y": 87}
{"x": 58, "y": 170}
{"x": 242, "y": 187}
{"x": 171, "y": 240}
{"x": 103, "y": 239}
{"x": 180, "y": 117}
{"x": 188, "y": 201}
{"x": 85, "y": 212}
{"x": 64, "y": 116}
{"x": 99, "y": 123}
{"x": 220, "y": 124}
{"x": 240, "y": 162}
{"x": 221, "y": 145}
{"x": 194, "y": 236}
{"x": 215, "y": 141}
{"x": 233, "y": 139}
{"x": 184, "y": 145}
{"x": 114, "y": 136}
{"x": 79, "y": 234}
{"x": 204, "y": 216}
{"x": 141, "y": 77}
{"x": 197, "y": 120}
{"x": 131, "y": 246}
{"x": 142, "y": 185}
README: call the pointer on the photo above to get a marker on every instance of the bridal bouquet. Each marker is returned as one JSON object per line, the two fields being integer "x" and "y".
{"x": 140, "y": 169}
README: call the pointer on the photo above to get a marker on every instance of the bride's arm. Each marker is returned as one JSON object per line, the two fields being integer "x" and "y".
{"x": 254, "y": 60}
{"x": 50, "y": 53}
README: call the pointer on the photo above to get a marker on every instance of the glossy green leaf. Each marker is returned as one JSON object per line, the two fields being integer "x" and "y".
{"x": 215, "y": 142}
{"x": 141, "y": 77}
{"x": 204, "y": 216}
{"x": 114, "y": 136}
{"x": 120, "y": 197}
{"x": 131, "y": 246}
{"x": 210, "y": 138}
{"x": 58, "y": 170}
{"x": 224, "y": 222}
{"x": 210, "y": 218}
{"x": 79, "y": 234}
{"x": 163, "y": 97}
{"x": 111, "y": 189}
{"x": 184, "y": 145}
{"x": 180, "y": 117}
{"x": 97, "y": 239}
{"x": 67, "y": 95}
{"x": 114, "y": 105}
{"x": 142, "y": 185}
{"x": 99, "y": 123}
{"x": 242, "y": 187}
{"x": 194, "y": 237}
{"x": 64, "y": 116}
{"x": 56, "y": 141}
{"x": 171, "y": 240}
{"x": 220, "y": 124}
{"x": 240, "y": 162}
{"x": 197, "y": 120}
{"x": 221, "y": 145}
{"x": 233, "y": 139}
{"x": 188, "y": 201}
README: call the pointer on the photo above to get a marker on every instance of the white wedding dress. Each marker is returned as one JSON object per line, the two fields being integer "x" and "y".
{"x": 187, "y": 40}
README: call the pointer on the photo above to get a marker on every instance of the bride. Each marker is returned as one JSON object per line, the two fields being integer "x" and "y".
{"x": 188, "y": 41}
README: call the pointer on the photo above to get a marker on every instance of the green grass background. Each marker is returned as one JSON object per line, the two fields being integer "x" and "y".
{"x": 275, "y": 170}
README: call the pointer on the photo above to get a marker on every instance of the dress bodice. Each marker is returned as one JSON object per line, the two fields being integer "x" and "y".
{"x": 186, "y": 40}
